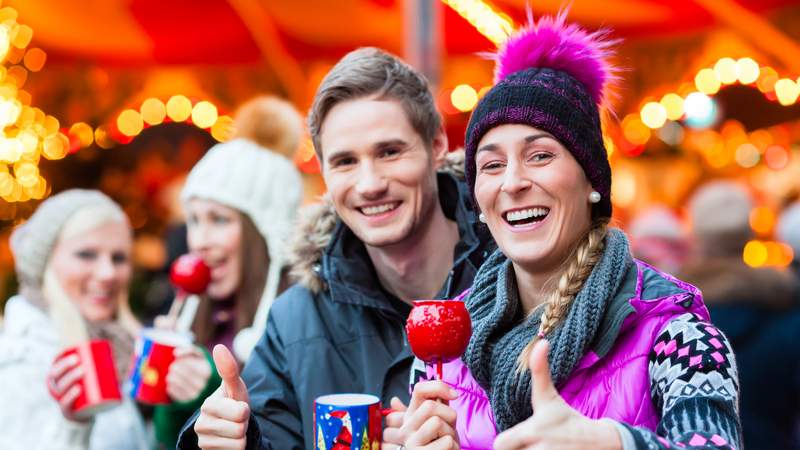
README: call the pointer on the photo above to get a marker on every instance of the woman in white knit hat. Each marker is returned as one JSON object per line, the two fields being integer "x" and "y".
{"x": 72, "y": 259}
{"x": 239, "y": 200}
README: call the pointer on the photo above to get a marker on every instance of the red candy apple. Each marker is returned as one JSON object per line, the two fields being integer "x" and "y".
{"x": 438, "y": 331}
{"x": 190, "y": 274}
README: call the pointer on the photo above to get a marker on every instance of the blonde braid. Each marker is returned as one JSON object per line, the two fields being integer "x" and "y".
{"x": 579, "y": 266}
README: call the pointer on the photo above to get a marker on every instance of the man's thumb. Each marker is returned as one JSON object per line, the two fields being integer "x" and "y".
{"x": 543, "y": 389}
{"x": 228, "y": 369}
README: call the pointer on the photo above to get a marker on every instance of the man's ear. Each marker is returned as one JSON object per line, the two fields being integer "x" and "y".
{"x": 439, "y": 148}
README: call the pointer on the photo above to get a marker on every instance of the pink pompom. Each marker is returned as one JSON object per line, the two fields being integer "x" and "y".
{"x": 552, "y": 43}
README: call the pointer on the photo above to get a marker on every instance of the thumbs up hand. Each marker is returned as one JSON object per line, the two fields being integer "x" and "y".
{"x": 225, "y": 414}
{"x": 555, "y": 424}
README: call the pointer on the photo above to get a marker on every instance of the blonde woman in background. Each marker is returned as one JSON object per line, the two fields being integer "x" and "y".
{"x": 73, "y": 259}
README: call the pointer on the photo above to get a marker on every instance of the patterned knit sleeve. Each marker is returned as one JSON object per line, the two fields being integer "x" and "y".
{"x": 694, "y": 383}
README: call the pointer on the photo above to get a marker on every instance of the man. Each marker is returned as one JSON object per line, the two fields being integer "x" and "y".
{"x": 400, "y": 232}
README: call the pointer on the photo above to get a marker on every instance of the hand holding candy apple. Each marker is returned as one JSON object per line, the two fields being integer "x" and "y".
{"x": 438, "y": 331}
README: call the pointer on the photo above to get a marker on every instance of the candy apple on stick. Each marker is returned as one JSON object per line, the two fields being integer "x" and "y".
{"x": 438, "y": 331}
{"x": 190, "y": 276}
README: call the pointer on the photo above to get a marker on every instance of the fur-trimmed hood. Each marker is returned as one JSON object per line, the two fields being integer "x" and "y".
{"x": 728, "y": 281}
{"x": 315, "y": 229}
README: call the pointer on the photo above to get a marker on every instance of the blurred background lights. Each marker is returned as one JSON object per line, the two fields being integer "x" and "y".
{"x": 786, "y": 91}
{"x": 671, "y": 133}
{"x": 747, "y": 155}
{"x": 634, "y": 130}
{"x": 153, "y": 111}
{"x": 755, "y": 254}
{"x": 464, "y": 97}
{"x": 673, "y": 104}
{"x": 204, "y": 114}
{"x": 130, "y": 123}
{"x": 34, "y": 59}
{"x": 747, "y": 70}
{"x": 654, "y": 115}
{"x": 700, "y": 109}
{"x": 776, "y": 157}
{"x": 83, "y": 132}
{"x": 762, "y": 220}
{"x": 707, "y": 82}
{"x": 725, "y": 70}
{"x": 767, "y": 77}
{"x": 179, "y": 108}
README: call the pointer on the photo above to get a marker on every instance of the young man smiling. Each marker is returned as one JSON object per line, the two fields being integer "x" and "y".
{"x": 397, "y": 231}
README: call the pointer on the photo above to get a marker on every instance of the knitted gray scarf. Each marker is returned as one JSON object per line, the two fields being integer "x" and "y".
{"x": 500, "y": 331}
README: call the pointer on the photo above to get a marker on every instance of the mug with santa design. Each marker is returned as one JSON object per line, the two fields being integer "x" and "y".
{"x": 347, "y": 422}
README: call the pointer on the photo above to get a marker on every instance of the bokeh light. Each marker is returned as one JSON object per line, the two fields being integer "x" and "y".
{"x": 653, "y": 115}
{"x": 673, "y": 103}
{"x": 700, "y": 109}
{"x": 762, "y": 220}
{"x": 786, "y": 91}
{"x": 153, "y": 111}
{"x": 179, "y": 108}
{"x": 755, "y": 254}
{"x": 83, "y": 132}
{"x": 747, "y": 70}
{"x": 634, "y": 130}
{"x": 130, "y": 123}
{"x": 725, "y": 70}
{"x": 204, "y": 114}
{"x": 766, "y": 79}
{"x": 464, "y": 97}
{"x": 747, "y": 155}
{"x": 776, "y": 157}
{"x": 223, "y": 129}
{"x": 707, "y": 82}
{"x": 34, "y": 59}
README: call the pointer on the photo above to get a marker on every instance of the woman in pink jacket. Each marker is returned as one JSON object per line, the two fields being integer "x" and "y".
{"x": 575, "y": 344}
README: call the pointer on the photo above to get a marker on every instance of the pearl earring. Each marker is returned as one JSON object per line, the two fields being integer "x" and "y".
{"x": 594, "y": 197}
{"x": 482, "y": 218}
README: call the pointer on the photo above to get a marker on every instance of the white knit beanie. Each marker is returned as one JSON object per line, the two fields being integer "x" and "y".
{"x": 33, "y": 241}
{"x": 263, "y": 185}
{"x": 788, "y": 229}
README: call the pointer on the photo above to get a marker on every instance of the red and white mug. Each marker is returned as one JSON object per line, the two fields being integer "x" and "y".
{"x": 99, "y": 385}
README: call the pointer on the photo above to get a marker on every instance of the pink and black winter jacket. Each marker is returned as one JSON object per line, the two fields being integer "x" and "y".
{"x": 658, "y": 368}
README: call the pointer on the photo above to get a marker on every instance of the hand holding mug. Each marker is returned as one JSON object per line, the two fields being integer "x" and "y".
{"x": 63, "y": 382}
{"x": 188, "y": 374}
{"x": 224, "y": 416}
{"x": 393, "y": 421}
{"x": 429, "y": 421}
{"x": 555, "y": 424}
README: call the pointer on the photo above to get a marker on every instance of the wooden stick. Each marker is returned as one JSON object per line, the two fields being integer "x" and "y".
{"x": 186, "y": 317}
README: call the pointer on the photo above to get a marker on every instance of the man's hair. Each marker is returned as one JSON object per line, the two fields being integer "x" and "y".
{"x": 370, "y": 72}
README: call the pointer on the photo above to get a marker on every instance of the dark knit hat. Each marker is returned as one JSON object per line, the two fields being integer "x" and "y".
{"x": 551, "y": 76}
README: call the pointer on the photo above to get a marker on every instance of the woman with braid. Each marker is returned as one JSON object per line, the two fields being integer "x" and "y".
{"x": 575, "y": 345}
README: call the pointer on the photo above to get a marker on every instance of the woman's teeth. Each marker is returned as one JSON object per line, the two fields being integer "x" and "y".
{"x": 525, "y": 216}
{"x": 379, "y": 209}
